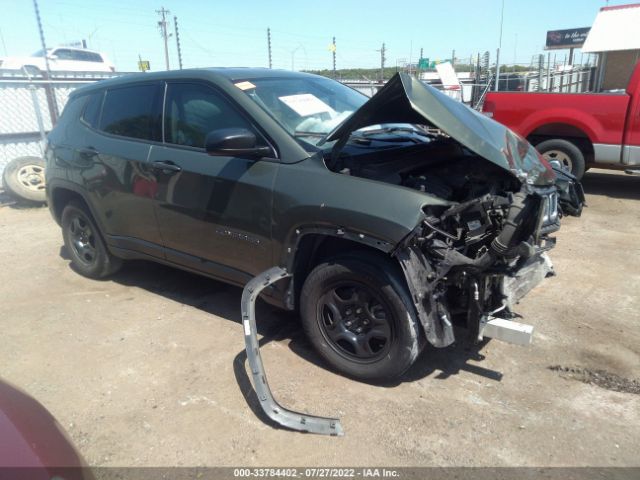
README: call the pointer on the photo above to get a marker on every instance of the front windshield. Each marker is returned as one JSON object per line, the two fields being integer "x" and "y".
{"x": 308, "y": 107}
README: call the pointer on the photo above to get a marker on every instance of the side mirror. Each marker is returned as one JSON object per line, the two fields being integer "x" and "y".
{"x": 52, "y": 57}
{"x": 235, "y": 142}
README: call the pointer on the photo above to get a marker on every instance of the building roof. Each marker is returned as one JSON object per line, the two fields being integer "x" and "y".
{"x": 615, "y": 28}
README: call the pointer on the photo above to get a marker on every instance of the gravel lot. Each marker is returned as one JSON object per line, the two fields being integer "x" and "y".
{"x": 148, "y": 368}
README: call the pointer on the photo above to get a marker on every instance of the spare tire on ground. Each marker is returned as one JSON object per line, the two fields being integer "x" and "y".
{"x": 23, "y": 179}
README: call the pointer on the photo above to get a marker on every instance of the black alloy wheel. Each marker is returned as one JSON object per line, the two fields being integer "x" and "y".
{"x": 358, "y": 315}
{"x": 83, "y": 239}
{"x": 355, "y": 321}
{"x": 84, "y": 243}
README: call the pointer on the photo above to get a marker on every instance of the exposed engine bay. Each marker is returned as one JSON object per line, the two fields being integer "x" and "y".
{"x": 472, "y": 260}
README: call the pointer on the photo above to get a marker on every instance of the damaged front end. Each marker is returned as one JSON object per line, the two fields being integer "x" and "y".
{"x": 470, "y": 263}
{"x": 467, "y": 263}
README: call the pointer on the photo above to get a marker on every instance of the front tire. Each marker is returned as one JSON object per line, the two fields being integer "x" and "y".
{"x": 359, "y": 318}
{"x": 564, "y": 152}
{"x": 83, "y": 241}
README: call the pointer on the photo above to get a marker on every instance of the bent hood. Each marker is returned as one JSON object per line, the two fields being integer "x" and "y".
{"x": 405, "y": 99}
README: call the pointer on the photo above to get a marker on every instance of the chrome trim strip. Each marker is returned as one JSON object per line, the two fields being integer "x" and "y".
{"x": 606, "y": 153}
{"x": 631, "y": 155}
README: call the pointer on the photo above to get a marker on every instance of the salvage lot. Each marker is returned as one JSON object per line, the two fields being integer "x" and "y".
{"x": 148, "y": 368}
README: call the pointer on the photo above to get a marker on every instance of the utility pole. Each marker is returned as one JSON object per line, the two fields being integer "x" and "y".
{"x": 51, "y": 99}
{"x": 333, "y": 49}
{"x": 499, "y": 47}
{"x": 382, "y": 59}
{"x": 269, "y": 45}
{"x": 175, "y": 23}
{"x": 162, "y": 24}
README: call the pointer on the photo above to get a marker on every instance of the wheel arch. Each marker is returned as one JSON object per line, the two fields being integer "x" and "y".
{"x": 563, "y": 131}
{"x": 61, "y": 193}
{"x": 313, "y": 246}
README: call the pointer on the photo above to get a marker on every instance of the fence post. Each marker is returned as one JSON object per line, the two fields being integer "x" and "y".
{"x": 540, "y": 70}
{"x": 51, "y": 100}
{"x": 38, "y": 112}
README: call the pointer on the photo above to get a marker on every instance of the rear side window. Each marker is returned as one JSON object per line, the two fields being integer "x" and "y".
{"x": 133, "y": 112}
{"x": 91, "y": 113}
{"x": 193, "y": 110}
{"x": 93, "y": 57}
{"x": 88, "y": 56}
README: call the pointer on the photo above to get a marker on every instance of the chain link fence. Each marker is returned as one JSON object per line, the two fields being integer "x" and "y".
{"x": 29, "y": 106}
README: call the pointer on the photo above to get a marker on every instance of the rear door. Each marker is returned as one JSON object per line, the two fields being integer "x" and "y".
{"x": 120, "y": 125}
{"x": 214, "y": 212}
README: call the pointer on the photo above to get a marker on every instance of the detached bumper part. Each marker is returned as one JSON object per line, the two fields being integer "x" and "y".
{"x": 286, "y": 418}
{"x": 507, "y": 331}
{"x": 514, "y": 288}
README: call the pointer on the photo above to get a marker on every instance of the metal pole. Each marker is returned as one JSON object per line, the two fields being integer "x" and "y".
{"x": 175, "y": 22}
{"x": 382, "y": 59}
{"x": 36, "y": 109}
{"x": 548, "y": 71}
{"x": 499, "y": 47}
{"x": 51, "y": 99}
{"x": 269, "y": 45}
{"x": 334, "y": 57}
{"x": 163, "y": 31}
{"x": 540, "y": 69}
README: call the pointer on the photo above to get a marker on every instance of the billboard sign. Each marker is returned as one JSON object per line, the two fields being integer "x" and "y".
{"x": 571, "y": 38}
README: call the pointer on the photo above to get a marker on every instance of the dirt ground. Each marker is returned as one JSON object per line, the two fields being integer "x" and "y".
{"x": 148, "y": 368}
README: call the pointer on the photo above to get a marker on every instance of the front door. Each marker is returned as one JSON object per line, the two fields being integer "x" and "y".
{"x": 214, "y": 212}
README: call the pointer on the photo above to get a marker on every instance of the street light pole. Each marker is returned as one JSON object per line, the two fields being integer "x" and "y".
{"x": 499, "y": 47}
{"x": 293, "y": 52}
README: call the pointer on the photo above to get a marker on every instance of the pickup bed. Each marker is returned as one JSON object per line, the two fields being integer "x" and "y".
{"x": 576, "y": 130}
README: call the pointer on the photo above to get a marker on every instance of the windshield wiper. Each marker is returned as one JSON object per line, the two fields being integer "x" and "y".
{"x": 299, "y": 133}
{"x": 378, "y": 131}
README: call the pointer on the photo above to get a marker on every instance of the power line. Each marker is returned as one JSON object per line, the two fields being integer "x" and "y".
{"x": 162, "y": 24}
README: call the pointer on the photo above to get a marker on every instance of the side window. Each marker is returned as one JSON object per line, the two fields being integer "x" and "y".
{"x": 194, "y": 110}
{"x": 92, "y": 57}
{"x": 133, "y": 111}
{"x": 92, "y": 108}
{"x": 64, "y": 54}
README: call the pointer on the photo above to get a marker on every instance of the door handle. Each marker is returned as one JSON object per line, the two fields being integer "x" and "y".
{"x": 166, "y": 166}
{"x": 88, "y": 152}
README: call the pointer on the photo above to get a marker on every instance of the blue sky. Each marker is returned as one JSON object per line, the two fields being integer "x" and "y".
{"x": 226, "y": 33}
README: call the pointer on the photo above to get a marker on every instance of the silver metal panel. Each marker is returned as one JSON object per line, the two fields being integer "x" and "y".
{"x": 631, "y": 155}
{"x": 508, "y": 331}
{"x": 517, "y": 286}
{"x": 287, "y": 418}
{"x": 606, "y": 153}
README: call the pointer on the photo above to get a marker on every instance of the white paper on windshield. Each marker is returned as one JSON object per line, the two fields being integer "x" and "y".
{"x": 305, "y": 104}
{"x": 245, "y": 85}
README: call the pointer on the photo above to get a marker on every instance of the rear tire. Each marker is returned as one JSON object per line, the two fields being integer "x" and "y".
{"x": 23, "y": 179}
{"x": 358, "y": 316}
{"x": 565, "y": 152}
{"x": 83, "y": 241}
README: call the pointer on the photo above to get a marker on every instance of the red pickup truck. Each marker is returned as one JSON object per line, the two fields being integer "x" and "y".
{"x": 578, "y": 130}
